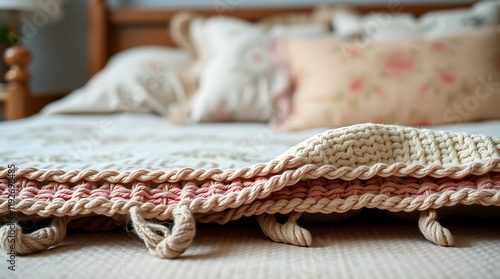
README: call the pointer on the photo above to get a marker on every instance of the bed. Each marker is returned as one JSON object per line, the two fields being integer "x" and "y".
{"x": 98, "y": 174}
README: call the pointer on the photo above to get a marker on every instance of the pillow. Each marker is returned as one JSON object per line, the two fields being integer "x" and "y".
{"x": 407, "y": 81}
{"x": 320, "y": 15}
{"x": 386, "y": 25}
{"x": 239, "y": 68}
{"x": 482, "y": 13}
{"x": 375, "y": 25}
{"x": 138, "y": 80}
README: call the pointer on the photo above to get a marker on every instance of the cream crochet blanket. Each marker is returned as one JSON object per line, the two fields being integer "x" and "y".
{"x": 375, "y": 166}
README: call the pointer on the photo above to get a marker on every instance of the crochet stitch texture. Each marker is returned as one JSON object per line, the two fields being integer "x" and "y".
{"x": 370, "y": 165}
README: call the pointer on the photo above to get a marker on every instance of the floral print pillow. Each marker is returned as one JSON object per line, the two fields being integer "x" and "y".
{"x": 238, "y": 79}
{"x": 145, "y": 79}
{"x": 240, "y": 69}
{"x": 414, "y": 82}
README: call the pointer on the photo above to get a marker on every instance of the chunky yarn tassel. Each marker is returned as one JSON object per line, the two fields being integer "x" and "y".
{"x": 289, "y": 232}
{"x": 162, "y": 242}
{"x": 432, "y": 229}
{"x": 12, "y": 237}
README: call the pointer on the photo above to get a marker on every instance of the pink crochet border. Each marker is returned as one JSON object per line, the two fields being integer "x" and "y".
{"x": 171, "y": 193}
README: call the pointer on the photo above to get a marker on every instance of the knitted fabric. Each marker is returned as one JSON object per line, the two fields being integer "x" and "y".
{"x": 375, "y": 166}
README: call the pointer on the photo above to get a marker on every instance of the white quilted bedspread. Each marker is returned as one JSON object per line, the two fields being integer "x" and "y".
{"x": 124, "y": 142}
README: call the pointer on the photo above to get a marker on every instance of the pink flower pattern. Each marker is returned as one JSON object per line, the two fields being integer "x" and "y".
{"x": 399, "y": 63}
{"x": 424, "y": 89}
{"x": 352, "y": 52}
{"x": 439, "y": 46}
{"x": 156, "y": 66}
{"x": 379, "y": 92}
{"x": 447, "y": 78}
{"x": 422, "y": 122}
{"x": 356, "y": 84}
{"x": 435, "y": 81}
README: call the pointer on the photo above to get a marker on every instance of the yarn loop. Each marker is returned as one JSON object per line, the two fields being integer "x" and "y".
{"x": 289, "y": 232}
{"x": 433, "y": 230}
{"x": 161, "y": 241}
{"x": 11, "y": 236}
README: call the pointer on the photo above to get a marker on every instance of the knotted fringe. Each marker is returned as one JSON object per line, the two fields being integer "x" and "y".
{"x": 162, "y": 242}
{"x": 432, "y": 230}
{"x": 13, "y": 239}
{"x": 289, "y": 232}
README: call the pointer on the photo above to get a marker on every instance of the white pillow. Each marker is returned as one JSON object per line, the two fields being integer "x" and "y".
{"x": 379, "y": 26}
{"x": 241, "y": 71}
{"x": 374, "y": 25}
{"x": 137, "y": 80}
{"x": 483, "y": 13}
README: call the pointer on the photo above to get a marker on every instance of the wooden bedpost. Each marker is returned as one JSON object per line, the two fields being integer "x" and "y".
{"x": 18, "y": 92}
{"x": 97, "y": 35}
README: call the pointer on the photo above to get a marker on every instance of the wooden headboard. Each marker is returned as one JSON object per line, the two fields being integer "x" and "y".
{"x": 113, "y": 30}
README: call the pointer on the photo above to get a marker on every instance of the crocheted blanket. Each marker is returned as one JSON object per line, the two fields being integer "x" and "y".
{"x": 374, "y": 166}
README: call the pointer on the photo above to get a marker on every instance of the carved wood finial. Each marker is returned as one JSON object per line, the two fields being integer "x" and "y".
{"x": 17, "y": 58}
{"x": 17, "y": 77}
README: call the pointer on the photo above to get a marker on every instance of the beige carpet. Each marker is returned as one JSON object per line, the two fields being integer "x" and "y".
{"x": 361, "y": 247}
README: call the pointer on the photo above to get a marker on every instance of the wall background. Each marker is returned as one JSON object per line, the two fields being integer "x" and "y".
{"x": 59, "y": 50}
